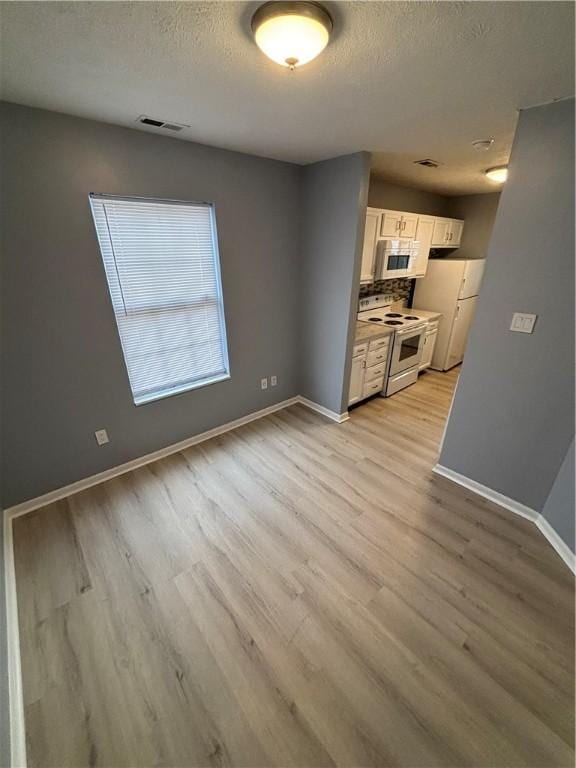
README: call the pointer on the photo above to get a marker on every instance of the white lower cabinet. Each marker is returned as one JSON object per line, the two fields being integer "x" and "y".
{"x": 372, "y": 388}
{"x": 428, "y": 346}
{"x": 356, "y": 379}
{"x": 369, "y": 366}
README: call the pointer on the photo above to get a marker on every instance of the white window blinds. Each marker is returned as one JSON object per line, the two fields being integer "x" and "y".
{"x": 161, "y": 261}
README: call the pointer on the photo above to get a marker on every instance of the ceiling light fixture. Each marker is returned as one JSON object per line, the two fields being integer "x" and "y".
{"x": 291, "y": 33}
{"x": 498, "y": 174}
{"x": 483, "y": 145}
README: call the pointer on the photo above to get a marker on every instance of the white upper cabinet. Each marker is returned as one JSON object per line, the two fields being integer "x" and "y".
{"x": 371, "y": 231}
{"x": 409, "y": 225}
{"x": 447, "y": 233}
{"x": 398, "y": 224}
{"x": 424, "y": 232}
{"x": 441, "y": 233}
{"x": 391, "y": 224}
{"x": 429, "y": 231}
{"x": 456, "y": 232}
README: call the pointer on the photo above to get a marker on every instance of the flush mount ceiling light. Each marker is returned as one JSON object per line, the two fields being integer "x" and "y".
{"x": 291, "y": 33}
{"x": 483, "y": 145}
{"x": 499, "y": 173}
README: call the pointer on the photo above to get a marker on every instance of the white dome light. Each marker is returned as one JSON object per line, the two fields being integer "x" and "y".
{"x": 483, "y": 145}
{"x": 291, "y": 33}
{"x": 498, "y": 174}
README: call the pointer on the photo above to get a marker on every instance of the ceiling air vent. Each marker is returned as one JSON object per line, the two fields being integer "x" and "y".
{"x": 427, "y": 163}
{"x": 161, "y": 123}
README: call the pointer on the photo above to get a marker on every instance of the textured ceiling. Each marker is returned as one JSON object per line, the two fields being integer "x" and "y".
{"x": 405, "y": 80}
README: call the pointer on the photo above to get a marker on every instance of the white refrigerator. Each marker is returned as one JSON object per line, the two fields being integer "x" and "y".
{"x": 451, "y": 287}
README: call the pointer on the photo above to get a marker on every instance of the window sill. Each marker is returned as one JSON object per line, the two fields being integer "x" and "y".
{"x": 163, "y": 394}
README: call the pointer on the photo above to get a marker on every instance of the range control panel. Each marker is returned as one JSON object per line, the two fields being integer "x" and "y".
{"x": 378, "y": 300}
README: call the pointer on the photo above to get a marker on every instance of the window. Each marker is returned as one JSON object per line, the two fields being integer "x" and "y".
{"x": 161, "y": 261}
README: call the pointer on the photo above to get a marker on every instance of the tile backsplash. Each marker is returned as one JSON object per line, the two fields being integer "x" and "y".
{"x": 399, "y": 287}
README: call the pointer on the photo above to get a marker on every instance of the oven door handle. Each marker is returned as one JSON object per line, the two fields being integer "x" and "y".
{"x": 414, "y": 330}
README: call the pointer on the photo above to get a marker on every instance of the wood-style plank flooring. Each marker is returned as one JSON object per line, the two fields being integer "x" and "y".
{"x": 296, "y": 593}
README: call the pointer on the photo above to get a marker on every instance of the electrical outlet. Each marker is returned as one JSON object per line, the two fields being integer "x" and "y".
{"x": 101, "y": 436}
{"x": 273, "y": 381}
{"x": 263, "y": 383}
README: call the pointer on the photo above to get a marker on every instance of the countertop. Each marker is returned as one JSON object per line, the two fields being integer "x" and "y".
{"x": 367, "y": 331}
{"x": 426, "y": 314}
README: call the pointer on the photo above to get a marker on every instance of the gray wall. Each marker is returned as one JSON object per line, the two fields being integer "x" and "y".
{"x": 559, "y": 508}
{"x": 4, "y": 699}
{"x": 384, "y": 194}
{"x": 513, "y": 415}
{"x": 64, "y": 373}
{"x": 334, "y": 195}
{"x": 479, "y": 212}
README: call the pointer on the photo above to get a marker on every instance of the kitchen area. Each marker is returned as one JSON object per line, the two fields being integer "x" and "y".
{"x": 416, "y": 301}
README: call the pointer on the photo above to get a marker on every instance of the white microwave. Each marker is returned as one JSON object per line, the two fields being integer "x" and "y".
{"x": 396, "y": 258}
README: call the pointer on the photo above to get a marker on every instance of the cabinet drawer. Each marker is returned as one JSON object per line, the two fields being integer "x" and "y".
{"x": 372, "y": 387}
{"x": 375, "y": 372}
{"x": 360, "y": 349}
{"x": 379, "y": 343}
{"x": 376, "y": 357}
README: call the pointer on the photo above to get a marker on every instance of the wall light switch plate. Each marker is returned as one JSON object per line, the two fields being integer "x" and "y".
{"x": 273, "y": 381}
{"x": 101, "y": 436}
{"x": 263, "y": 383}
{"x": 522, "y": 322}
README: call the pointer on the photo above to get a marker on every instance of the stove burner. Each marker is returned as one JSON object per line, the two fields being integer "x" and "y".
{"x": 393, "y": 322}
{"x": 393, "y": 314}
{"x": 411, "y": 317}
{"x": 375, "y": 319}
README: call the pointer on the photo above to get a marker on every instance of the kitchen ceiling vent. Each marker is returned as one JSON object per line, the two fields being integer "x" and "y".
{"x": 161, "y": 124}
{"x": 427, "y": 163}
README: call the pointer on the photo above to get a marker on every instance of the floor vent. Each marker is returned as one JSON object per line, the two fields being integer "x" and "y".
{"x": 144, "y": 120}
{"x": 427, "y": 163}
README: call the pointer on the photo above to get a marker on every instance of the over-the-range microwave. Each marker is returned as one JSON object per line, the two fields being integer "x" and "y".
{"x": 395, "y": 258}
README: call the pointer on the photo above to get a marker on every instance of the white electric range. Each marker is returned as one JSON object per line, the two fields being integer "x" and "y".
{"x": 409, "y": 332}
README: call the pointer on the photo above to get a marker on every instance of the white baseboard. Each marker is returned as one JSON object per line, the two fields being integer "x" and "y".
{"x": 80, "y": 485}
{"x": 514, "y": 506}
{"x": 17, "y": 724}
{"x": 559, "y": 544}
{"x": 487, "y": 493}
{"x": 15, "y": 696}
{"x": 337, "y": 417}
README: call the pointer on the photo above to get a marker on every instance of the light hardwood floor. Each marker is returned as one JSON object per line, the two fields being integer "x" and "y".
{"x": 296, "y": 593}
